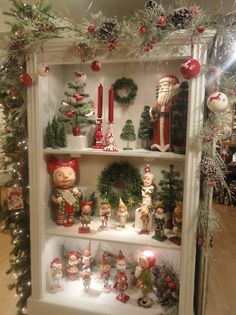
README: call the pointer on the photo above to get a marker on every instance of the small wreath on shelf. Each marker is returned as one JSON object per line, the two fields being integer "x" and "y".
{"x": 126, "y": 84}
{"x": 120, "y": 180}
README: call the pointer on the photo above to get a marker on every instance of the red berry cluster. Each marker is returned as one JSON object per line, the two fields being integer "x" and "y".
{"x": 112, "y": 44}
{"x": 149, "y": 45}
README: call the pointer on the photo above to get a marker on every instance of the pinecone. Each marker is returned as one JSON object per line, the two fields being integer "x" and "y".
{"x": 151, "y": 6}
{"x": 180, "y": 17}
{"x": 107, "y": 29}
{"x": 208, "y": 167}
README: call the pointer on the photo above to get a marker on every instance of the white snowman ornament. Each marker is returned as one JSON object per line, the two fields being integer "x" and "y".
{"x": 43, "y": 70}
{"x": 80, "y": 77}
{"x": 217, "y": 102}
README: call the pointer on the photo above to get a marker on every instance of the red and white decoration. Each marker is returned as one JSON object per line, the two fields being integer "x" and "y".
{"x": 190, "y": 68}
{"x": 96, "y": 66}
{"x": 42, "y": 70}
{"x": 217, "y": 102}
{"x": 15, "y": 198}
{"x": 80, "y": 77}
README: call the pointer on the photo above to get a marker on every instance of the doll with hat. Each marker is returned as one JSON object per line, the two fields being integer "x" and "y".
{"x": 121, "y": 279}
{"x": 105, "y": 213}
{"x": 85, "y": 218}
{"x": 66, "y": 195}
{"x": 105, "y": 270}
{"x": 56, "y": 272}
{"x": 143, "y": 273}
{"x": 122, "y": 214}
{"x": 86, "y": 271}
{"x": 74, "y": 259}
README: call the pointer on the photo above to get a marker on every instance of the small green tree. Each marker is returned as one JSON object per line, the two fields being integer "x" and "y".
{"x": 170, "y": 191}
{"x": 61, "y": 140}
{"x": 145, "y": 131}
{"x": 128, "y": 133}
{"x": 55, "y": 134}
{"x": 49, "y": 137}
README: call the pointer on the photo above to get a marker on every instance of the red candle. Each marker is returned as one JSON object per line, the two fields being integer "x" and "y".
{"x": 111, "y": 105}
{"x": 100, "y": 94}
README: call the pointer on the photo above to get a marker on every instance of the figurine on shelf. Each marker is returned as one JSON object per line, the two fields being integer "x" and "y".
{"x": 74, "y": 260}
{"x": 121, "y": 279}
{"x": 177, "y": 222}
{"x": 66, "y": 195}
{"x": 147, "y": 187}
{"x": 56, "y": 271}
{"x": 105, "y": 271}
{"x": 85, "y": 219}
{"x": 86, "y": 271}
{"x": 160, "y": 221}
{"x": 109, "y": 138}
{"x": 122, "y": 214}
{"x": 105, "y": 213}
{"x": 143, "y": 273}
{"x": 168, "y": 86}
{"x": 145, "y": 218}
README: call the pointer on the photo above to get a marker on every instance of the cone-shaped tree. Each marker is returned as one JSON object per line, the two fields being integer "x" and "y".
{"x": 128, "y": 133}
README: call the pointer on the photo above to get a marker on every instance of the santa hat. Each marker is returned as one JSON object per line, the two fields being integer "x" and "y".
{"x": 86, "y": 203}
{"x": 121, "y": 203}
{"x": 55, "y": 164}
{"x": 169, "y": 78}
{"x": 149, "y": 257}
{"x": 56, "y": 260}
{"x": 120, "y": 256}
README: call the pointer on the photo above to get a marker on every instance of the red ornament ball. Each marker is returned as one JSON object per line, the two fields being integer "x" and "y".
{"x": 14, "y": 92}
{"x": 172, "y": 285}
{"x": 91, "y": 28}
{"x": 190, "y": 68}
{"x": 201, "y": 29}
{"x": 141, "y": 29}
{"x": 161, "y": 21}
{"x": 70, "y": 114}
{"x": 96, "y": 66}
{"x": 208, "y": 138}
{"x": 26, "y": 79}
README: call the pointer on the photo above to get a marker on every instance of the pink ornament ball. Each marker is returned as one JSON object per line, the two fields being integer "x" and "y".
{"x": 217, "y": 102}
{"x": 96, "y": 66}
{"x": 190, "y": 68}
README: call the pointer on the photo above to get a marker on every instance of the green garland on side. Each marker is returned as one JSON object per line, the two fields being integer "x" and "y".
{"x": 120, "y": 180}
{"x": 125, "y": 84}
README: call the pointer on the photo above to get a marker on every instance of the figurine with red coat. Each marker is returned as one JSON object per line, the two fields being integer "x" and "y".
{"x": 85, "y": 219}
{"x": 66, "y": 195}
{"x": 121, "y": 279}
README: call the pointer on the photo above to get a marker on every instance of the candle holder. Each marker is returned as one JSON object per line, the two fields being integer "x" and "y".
{"x": 98, "y": 135}
{"x": 109, "y": 138}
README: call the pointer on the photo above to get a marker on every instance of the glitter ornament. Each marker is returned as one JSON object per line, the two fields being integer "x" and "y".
{"x": 42, "y": 70}
{"x": 96, "y": 66}
{"x": 91, "y": 28}
{"x": 190, "y": 68}
{"x": 217, "y": 102}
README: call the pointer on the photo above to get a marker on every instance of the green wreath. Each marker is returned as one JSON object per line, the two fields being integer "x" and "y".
{"x": 120, "y": 180}
{"x": 125, "y": 83}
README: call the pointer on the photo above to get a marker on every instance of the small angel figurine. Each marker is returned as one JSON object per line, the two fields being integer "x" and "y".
{"x": 74, "y": 260}
{"x": 105, "y": 213}
{"x": 145, "y": 218}
{"x": 85, "y": 218}
{"x": 105, "y": 271}
{"x": 121, "y": 279}
{"x": 66, "y": 194}
{"x": 122, "y": 214}
{"x": 160, "y": 221}
{"x": 177, "y": 222}
{"x": 143, "y": 273}
{"x": 56, "y": 271}
{"x": 86, "y": 271}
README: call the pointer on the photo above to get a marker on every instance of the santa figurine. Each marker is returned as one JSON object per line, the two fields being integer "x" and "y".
{"x": 85, "y": 218}
{"x": 56, "y": 272}
{"x": 66, "y": 194}
{"x": 74, "y": 259}
{"x": 105, "y": 271}
{"x": 86, "y": 271}
{"x": 121, "y": 279}
{"x": 168, "y": 86}
{"x": 143, "y": 273}
{"x": 122, "y": 214}
{"x": 105, "y": 213}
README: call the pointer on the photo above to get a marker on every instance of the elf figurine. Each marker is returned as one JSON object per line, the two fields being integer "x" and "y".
{"x": 66, "y": 195}
{"x": 85, "y": 219}
{"x": 105, "y": 271}
{"x": 105, "y": 213}
{"x": 74, "y": 260}
{"x": 86, "y": 271}
{"x": 145, "y": 218}
{"x": 143, "y": 273}
{"x": 177, "y": 222}
{"x": 122, "y": 214}
{"x": 160, "y": 221}
{"x": 121, "y": 279}
{"x": 56, "y": 269}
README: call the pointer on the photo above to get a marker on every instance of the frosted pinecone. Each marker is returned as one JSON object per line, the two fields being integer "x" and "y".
{"x": 180, "y": 17}
{"x": 152, "y": 6}
{"x": 208, "y": 167}
{"x": 107, "y": 29}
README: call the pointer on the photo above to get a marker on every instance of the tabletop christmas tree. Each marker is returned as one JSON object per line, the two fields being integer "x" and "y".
{"x": 55, "y": 134}
{"x": 128, "y": 133}
{"x": 77, "y": 108}
{"x": 145, "y": 131}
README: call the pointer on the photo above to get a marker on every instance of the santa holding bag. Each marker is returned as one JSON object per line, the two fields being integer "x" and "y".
{"x": 168, "y": 86}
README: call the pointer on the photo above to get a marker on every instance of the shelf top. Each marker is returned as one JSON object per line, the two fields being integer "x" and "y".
{"x": 127, "y": 235}
{"x": 139, "y": 153}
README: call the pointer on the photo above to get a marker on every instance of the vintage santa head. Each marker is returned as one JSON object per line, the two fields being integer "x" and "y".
{"x": 168, "y": 85}
{"x": 146, "y": 259}
{"x": 63, "y": 172}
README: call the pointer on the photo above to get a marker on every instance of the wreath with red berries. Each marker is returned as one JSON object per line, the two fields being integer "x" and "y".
{"x": 125, "y": 86}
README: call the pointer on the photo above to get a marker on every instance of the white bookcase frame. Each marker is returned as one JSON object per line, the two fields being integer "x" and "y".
{"x": 59, "y": 52}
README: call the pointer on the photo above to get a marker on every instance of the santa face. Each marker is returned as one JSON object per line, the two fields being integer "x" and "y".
{"x": 64, "y": 177}
{"x": 164, "y": 92}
